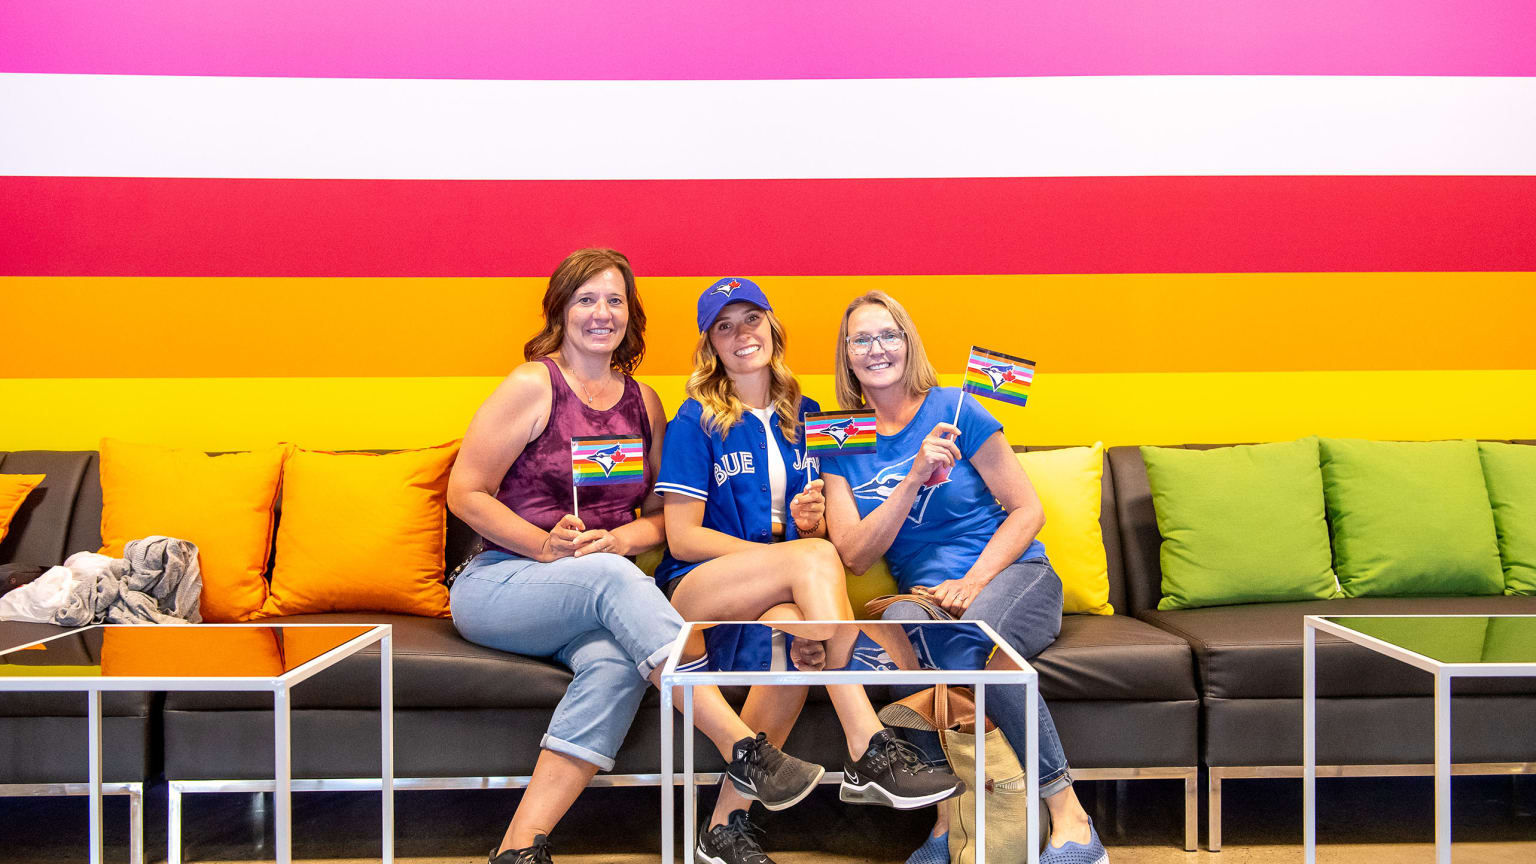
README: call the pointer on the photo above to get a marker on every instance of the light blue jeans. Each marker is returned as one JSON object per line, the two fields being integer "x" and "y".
{"x": 598, "y": 615}
{"x": 1023, "y": 604}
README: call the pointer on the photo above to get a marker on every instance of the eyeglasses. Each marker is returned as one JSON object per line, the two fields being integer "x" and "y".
{"x": 890, "y": 340}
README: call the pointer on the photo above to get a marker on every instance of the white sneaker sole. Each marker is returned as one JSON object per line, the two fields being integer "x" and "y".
{"x": 873, "y": 793}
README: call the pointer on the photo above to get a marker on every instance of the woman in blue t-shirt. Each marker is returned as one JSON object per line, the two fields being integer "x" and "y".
{"x": 928, "y": 500}
{"x": 745, "y": 538}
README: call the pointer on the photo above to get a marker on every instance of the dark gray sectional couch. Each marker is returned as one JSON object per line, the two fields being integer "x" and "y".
{"x": 1138, "y": 694}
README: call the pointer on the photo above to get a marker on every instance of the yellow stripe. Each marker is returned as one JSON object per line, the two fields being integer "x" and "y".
{"x": 1167, "y": 322}
{"x": 1128, "y": 408}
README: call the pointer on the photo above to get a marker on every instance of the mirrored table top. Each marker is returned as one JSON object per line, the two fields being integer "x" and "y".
{"x": 192, "y": 651}
{"x": 1451, "y": 638}
{"x": 864, "y": 646}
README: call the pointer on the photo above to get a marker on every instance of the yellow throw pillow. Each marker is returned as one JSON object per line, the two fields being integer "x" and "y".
{"x": 1068, "y": 482}
{"x": 14, "y": 489}
{"x": 363, "y": 532}
{"x": 877, "y": 581}
{"x": 222, "y": 503}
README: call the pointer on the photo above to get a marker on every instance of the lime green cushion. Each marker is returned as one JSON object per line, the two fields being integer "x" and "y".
{"x": 1240, "y": 524}
{"x": 1410, "y": 518}
{"x": 1510, "y": 472}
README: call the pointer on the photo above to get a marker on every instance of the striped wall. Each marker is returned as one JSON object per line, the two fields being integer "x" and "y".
{"x": 225, "y": 224}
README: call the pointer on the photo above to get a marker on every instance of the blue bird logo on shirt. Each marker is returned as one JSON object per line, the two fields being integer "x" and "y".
{"x": 727, "y": 289}
{"x": 606, "y": 458}
{"x": 879, "y": 487}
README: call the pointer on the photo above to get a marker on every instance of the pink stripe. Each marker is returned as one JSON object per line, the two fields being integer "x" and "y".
{"x": 715, "y": 39}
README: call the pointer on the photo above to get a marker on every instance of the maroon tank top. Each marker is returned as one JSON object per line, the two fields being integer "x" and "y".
{"x": 538, "y": 485}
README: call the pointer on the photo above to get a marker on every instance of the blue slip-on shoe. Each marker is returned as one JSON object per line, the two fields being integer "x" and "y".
{"x": 1091, "y": 852}
{"x": 935, "y": 850}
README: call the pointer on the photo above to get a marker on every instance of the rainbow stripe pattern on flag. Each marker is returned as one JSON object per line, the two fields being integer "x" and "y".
{"x": 599, "y": 460}
{"x": 998, "y": 375}
{"x": 840, "y": 432}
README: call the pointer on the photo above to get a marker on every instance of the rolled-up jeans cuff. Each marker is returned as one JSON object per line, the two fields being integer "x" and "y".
{"x": 1055, "y": 784}
{"x": 576, "y": 751}
{"x": 658, "y": 657}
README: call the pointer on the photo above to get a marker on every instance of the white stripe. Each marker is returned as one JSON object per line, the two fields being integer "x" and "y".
{"x": 662, "y": 488}
{"x": 171, "y": 126}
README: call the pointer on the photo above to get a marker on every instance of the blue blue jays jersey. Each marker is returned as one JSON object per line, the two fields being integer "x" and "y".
{"x": 730, "y": 475}
{"x": 950, "y": 522}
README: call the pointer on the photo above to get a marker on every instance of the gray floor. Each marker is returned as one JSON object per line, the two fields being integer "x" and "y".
{"x": 1363, "y": 820}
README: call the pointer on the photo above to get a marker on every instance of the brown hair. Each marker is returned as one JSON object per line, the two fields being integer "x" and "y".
{"x": 919, "y": 376}
{"x": 573, "y": 272}
{"x": 722, "y": 408}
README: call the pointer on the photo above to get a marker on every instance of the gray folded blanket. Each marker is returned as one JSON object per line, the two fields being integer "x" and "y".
{"x": 157, "y": 581}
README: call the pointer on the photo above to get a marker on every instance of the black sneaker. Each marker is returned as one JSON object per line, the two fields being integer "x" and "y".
{"x": 761, "y": 772}
{"x": 731, "y": 843}
{"x": 538, "y": 853}
{"x": 893, "y": 774}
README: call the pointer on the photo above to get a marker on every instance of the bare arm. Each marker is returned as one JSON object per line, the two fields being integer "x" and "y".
{"x": 689, "y": 540}
{"x": 1006, "y": 480}
{"x": 513, "y": 415}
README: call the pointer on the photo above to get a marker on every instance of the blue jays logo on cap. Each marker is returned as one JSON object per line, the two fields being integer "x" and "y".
{"x": 732, "y": 289}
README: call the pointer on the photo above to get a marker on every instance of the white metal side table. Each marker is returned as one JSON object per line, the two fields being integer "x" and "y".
{"x": 1447, "y": 647}
{"x": 996, "y": 663}
{"x": 252, "y": 657}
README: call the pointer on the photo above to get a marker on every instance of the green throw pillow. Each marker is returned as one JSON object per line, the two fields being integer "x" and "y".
{"x": 1510, "y": 472}
{"x": 1240, "y": 524}
{"x": 1410, "y": 518}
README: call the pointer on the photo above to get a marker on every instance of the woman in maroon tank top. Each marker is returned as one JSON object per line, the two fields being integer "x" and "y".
{"x": 555, "y": 584}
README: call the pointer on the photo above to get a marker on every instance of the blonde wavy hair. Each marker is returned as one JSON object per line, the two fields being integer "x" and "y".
{"x": 711, "y": 385}
{"x": 919, "y": 376}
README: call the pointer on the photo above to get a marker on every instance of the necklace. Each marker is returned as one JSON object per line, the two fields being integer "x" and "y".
{"x": 586, "y": 394}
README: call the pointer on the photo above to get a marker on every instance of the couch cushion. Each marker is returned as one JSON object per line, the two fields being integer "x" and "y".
{"x": 1510, "y": 472}
{"x": 433, "y": 668}
{"x": 1254, "y": 651}
{"x": 1410, "y": 518}
{"x": 1105, "y": 657}
{"x": 1240, "y": 524}
{"x": 40, "y": 527}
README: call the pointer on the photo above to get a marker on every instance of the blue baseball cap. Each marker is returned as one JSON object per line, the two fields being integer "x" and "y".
{"x": 729, "y": 290}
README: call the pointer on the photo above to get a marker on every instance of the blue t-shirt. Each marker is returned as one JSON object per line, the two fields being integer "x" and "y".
{"x": 949, "y": 523}
{"x": 730, "y": 475}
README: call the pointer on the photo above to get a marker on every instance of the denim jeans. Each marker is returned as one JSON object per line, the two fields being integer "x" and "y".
{"x": 598, "y": 615}
{"x": 1023, "y": 604}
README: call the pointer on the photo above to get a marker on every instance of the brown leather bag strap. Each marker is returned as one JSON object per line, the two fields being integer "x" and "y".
{"x": 874, "y": 608}
{"x": 941, "y": 706}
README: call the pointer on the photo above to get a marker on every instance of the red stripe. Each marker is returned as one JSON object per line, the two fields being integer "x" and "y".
{"x": 222, "y": 227}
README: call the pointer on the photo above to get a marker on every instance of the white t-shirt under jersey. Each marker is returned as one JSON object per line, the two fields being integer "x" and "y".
{"x": 777, "y": 478}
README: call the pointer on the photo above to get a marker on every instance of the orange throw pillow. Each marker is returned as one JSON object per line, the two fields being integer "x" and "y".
{"x": 14, "y": 489}
{"x": 363, "y": 532}
{"x": 222, "y": 503}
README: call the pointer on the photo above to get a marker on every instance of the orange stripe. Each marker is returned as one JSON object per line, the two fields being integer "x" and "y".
{"x": 377, "y": 327}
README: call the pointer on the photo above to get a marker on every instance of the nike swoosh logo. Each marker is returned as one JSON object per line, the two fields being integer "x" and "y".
{"x": 749, "y": 784}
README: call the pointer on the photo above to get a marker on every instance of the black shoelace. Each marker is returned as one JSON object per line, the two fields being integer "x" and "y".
{"x": 904, "y": 755}
{"x": 538, "y": 853}
{"x": 741, "y": 836}
{"x": 762, "y": 754}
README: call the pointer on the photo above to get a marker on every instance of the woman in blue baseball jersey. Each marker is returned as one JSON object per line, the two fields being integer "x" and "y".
{"x": 745, "y": 539}
{"x": 956, "y": 518}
